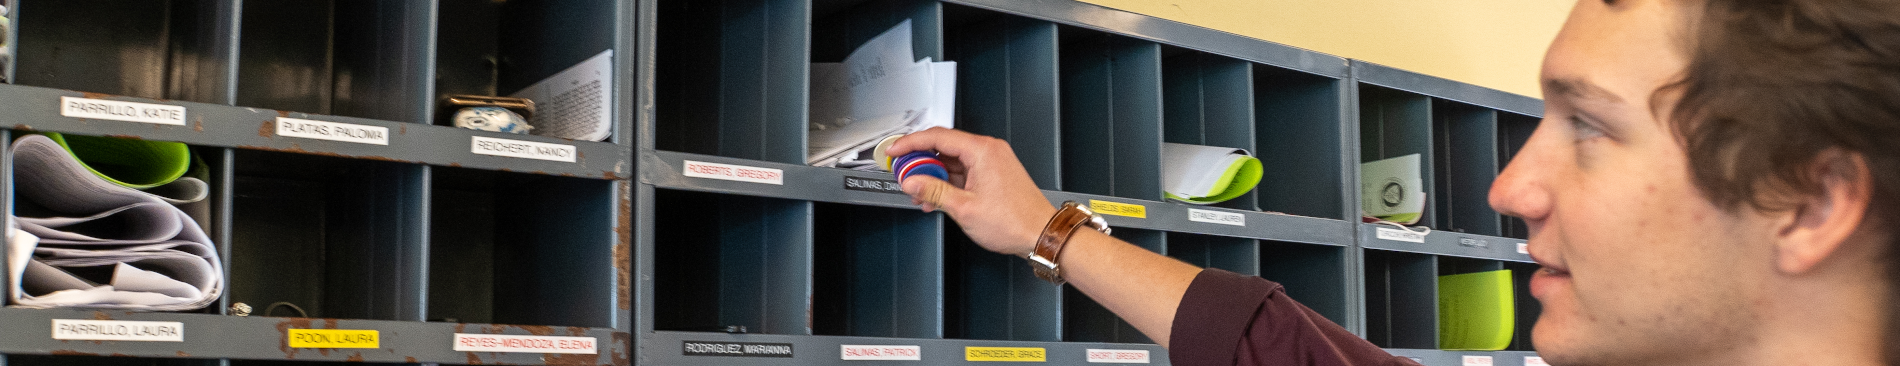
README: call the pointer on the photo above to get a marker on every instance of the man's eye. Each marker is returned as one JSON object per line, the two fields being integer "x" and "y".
{"x": 1584, "y": 130}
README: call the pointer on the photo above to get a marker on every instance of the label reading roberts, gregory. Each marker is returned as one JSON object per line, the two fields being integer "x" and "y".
{"x": 522, "y": 149}
{"x": 1400, "y": 235}
{"x": 465, "y": 342}
{"x": 122, "y": 111}
{"x": 333, "y": 131}
{"x": 1117, "y": 356}
{"x": 1006, "y": 354}
{"x": 334, "y": 338}
{"x": 118, "y": 330}
{"x": 1118, "y": 209}
{"x": 735, "y": 349}
{"x": 1477, "y": 360}
{"x": 1216, "y": 217}
{"x": 740, "y": 173}
{"x": 853, "y": 352}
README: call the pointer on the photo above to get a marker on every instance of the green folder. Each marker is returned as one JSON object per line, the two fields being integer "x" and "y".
{"x": 132, "y": 163}
{"x": 1475, "y": 311}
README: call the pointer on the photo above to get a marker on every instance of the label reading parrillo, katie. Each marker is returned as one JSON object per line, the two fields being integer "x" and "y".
{"x": 522, "y": 149}
{"x": 122, "y": 111}
{"x": 333, "y": 131}
{"x": 1399, "y": 235}
{"x": 1216, "y": 217}
{"x": 118, "y": 330}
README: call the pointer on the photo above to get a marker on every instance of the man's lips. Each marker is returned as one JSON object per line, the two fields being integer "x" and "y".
{"x": 1548, "y": 278}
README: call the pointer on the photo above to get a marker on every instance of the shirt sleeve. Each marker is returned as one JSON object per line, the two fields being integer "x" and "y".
{"x": 1231, "y": 319}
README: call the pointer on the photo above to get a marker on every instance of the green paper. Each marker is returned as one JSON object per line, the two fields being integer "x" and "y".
{"x": 132, "y": 163}
{"x": 1241, "y": 177}
{"x": 1475, "y": 311}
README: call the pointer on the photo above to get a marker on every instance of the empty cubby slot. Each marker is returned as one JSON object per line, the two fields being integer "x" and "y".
{"x": 1394, "y": 123}
{"x": 1237, "y": 255}
{"x": 1401, "y": 299}
{"x": 299, "y": 363}
{"x": 1314, "y": 275}
{"x": 1528, "y": 308}
{"x": 1208, "y": 100}
{"x": 66, "y": 360}
{"x": 1465, "y": 161}
{"x": 1006, "y": 84}
{"x": 1514, "y": 130}
{"x": 1298, "y": 142}
{"x": 994, "y": 296}
{"x": 197, "y": 192}
{"x": 1111, "y": 115}
{"x": 357, "y": 58}
{"x": 515, "y": 248}
{"x": 1084, "y": 320}
{"x": 878, "y": 272}
{"x": 840, "y": 26}
{"x": 731, "y": 78}
{"x": 152, "y": 49}
{"x": 498, "y": 48}
{"x": 335, "y": 238}
{"x": 732, "y": 263}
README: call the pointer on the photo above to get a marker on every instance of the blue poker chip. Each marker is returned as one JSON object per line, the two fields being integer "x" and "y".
{"x": 931, "y": 168}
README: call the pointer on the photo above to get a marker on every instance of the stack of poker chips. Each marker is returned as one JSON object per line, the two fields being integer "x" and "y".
{"x": 919, "y": 162}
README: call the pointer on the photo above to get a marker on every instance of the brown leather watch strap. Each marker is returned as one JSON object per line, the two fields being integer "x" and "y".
{"x": 1054, "y": 236}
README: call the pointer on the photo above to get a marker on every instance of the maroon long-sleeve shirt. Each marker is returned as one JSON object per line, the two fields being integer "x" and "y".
{"x": 1231, "y": 319}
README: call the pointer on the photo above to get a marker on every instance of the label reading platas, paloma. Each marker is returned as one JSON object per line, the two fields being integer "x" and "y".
{"x": 522, "y": 149}
{"x": 122, "y": 111}
{"x": 333, "y": 131}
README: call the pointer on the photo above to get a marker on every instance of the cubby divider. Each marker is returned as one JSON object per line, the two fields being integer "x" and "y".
{"x": 995, "y": 296}
{"x": 1084, "y": 320}
{"x": 1299, "y": 143}
{"x": 1007, "y": 85}
{"x": 357, "y": 58}
{"x": 1401, "y": 299}
{"x": 514, "y": 248}
{"x": 1111, "y": 115}
{"x": 1208, "y": 100}
{"x": 732, "y": 78}
{"x": 732, "y": 261}
{"x": 1465, "y": 159}
{"x": 878, "y": 272}
{"x": 151, "y": 49}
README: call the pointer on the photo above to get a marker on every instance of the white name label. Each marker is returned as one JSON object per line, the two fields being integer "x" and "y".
{"x": 1477, "y": 360}
{"x": 524, "y": 344}
{"x": 333, "y": 131}
{"x": 852, "y": 352}
{"x": 1534, "y": 361}
{"x": 122, "y": 111}
{"x": 700, "y": 169}
{"x": 1117, "y": 356}
{"x": 1400, "y": 235}
{"x": 118, "y": 330}
{"x": 1523, "y": 248}
{"x": 522, "y": 149}
{"x": 1216, "y": 217}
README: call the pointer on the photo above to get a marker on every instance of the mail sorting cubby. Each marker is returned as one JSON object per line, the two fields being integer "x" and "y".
{"x": 877, "y": 272}
{"x": 1465, "y": 157}
{"x": 1402, "y": 297}
{"x": 151, "y": 49}
{"x": 336, "y": 238}
{"x": 1287, "y": 119}
{"x": 994, "y": 296}
{"x": 1208, "y": 100}
{"x": 496, "y": 48}
{"x": 1007, "y": 84}
{"x": 726, "y": 263}
{"x": 514, "y": 248}
{"x": 1514, "y": 130}
{"x": 1395, "y": 123}
{"x": 1084, "y": 320}
{"x": 731, "y": 78}
{"x": 356, "y": 58}
{"x": 1111, "y": 114}
{"x": 1313, "y": 274}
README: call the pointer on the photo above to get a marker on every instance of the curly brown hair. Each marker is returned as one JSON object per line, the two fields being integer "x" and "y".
{"x": 1773, "y": 84}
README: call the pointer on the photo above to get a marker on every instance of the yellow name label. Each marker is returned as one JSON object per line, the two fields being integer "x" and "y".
{"x": 1006, "y": 354}
{"x": 334, "y": 338}
{"x": 1119, "y": 209}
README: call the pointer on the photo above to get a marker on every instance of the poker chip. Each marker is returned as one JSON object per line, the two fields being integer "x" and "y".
{"x": 919, "y": 162}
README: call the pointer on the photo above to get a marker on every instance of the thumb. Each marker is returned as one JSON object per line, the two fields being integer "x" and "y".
{"x": 935, "y": 194}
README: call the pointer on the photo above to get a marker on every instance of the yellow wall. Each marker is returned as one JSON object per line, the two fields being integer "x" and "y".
{"x": 1493, "y": 43}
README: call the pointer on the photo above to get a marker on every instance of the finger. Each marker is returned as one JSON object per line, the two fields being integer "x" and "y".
{"x": 935, "y": 194}
{"x": 942, "y": 140}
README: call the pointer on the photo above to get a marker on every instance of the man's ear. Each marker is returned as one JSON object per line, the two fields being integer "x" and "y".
{"x": 1825, "y": 220}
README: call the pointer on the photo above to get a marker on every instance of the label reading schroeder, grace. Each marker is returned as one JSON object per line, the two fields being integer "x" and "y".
{"x": 522, "y": 149}
{"x": 334, "y": 338}
{"x": 122, "y": 111}
{"x": 1216, "y": 217}
{"x": 740, "y": 173}
{"x": 118, "y": 330}
{"x": 854, "y": 352}
{"x": 465, "y": 342}
{"x": 1006, "y": 354}
{"x": 735, "y": 349}
{"x": 1118, "y": 209}
{"x": 872, "y": 185}
{"x": 1117, "y": 355}
{"x": 333, "y": 131}
{"x": 1399, "y": 235}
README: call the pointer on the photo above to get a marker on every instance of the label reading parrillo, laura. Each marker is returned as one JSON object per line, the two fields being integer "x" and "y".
{"x": 1216, "y": 217}
{"x": 122, "y": 111}
{"x": 118, "y": 330}
{"x": 522, "y": 149}
{"x": 333, "y": 131}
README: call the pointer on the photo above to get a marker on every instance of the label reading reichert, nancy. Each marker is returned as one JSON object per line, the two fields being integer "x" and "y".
{"x": 118, "y": 330}
{"x": 334, "y": 338}
{"x": 1216, "y": 217}
{"x": 333, "y": 131}
{"x": 854, "y": 352}
{"x": 522, "y": 149}
{"x": 465, "y": 342}
{"x": 122, "y": 111}
{"x": 735, "y": 349}
{"x": 1117, "y": 355}
{"x": 1399, "y": 235}
{"x": 739, "y": 173}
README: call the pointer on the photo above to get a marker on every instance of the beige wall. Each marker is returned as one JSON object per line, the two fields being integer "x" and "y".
{"x": 1493, "y": 43}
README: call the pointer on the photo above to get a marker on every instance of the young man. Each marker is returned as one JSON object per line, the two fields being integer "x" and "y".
{"x": 1713, "y": 184}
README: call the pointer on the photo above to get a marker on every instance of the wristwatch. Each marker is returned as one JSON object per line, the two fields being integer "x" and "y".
{"x": 1054, "y": 235}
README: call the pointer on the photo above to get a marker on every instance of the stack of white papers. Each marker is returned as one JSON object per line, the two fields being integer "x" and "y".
{"x": 877, "y": 91}
{"x": 1204, "y": 175}
{"x": 113, "y": 247}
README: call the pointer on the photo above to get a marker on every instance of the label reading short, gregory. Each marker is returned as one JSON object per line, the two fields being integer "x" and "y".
{"x": 735, "y": 349}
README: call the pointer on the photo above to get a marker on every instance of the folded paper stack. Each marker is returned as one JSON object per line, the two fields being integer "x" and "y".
{"x": 1392, "y": 190}
{"x": 878, "y": 91}
{"x": 1204, "y": 175}
{"x": 103, "y": 243}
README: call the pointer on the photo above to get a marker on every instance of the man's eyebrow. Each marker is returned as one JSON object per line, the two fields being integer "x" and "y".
{"x": 1579, "y": 89}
